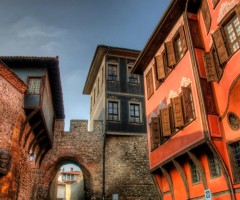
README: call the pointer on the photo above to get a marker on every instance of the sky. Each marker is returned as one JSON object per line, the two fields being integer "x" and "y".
{"x": 72, "y": 29}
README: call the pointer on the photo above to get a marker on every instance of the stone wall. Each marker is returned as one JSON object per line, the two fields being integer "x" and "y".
{"x": 127, "y": 168}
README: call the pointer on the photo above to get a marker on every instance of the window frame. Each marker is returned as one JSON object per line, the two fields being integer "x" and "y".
{"x": 111, "y": 64}
{"x": 213, "y": 164}
{"x": 227, "y": 22}
{"x": 39, "y": 86}
{"x": 186, "y": 121}
{"x": 178, "y": 47}
{"x": 233, "y": 162}
{"x": 195, "y": 174}
{"x": 131, "y": 76}
{"x": 140, "y": 112}
{"x": 112, "y": 114}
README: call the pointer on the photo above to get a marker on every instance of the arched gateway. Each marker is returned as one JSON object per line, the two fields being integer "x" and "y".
{"x": 78, "y": 146}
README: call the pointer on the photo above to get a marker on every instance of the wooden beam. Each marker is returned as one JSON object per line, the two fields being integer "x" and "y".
{"x": 169, "y": 180}
{"x": 183, "y": 175}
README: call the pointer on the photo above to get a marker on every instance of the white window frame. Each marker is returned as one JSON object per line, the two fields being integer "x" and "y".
{"x": 113, "y": 63}
{"x": 140, "y": 112}
{"x": 119, "y": 109}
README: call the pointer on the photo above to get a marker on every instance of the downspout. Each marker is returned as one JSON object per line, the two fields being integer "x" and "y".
{"x": 105, "y": 128}
{"x": 200, "y": 96}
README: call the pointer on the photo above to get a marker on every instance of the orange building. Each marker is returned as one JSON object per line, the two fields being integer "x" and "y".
{"x": 191, "y": 65}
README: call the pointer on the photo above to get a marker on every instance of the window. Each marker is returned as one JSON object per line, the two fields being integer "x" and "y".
{"x": 155, "y": 132}
{"x": 212, "y": 66}
{"x": 113, "y": 111}
{"x": 132, "y": 78}
{"x": 177, "y": 111}
{"x": 112, "y": 72}
{"x": 213, "y": 165}
{"x": 34, "y": 86}
{"x": 189, "y": 111}
{"x": 235, "y": 155}
{"x": 178, "y": 48}
{"x": 149, "y": 83}
{"x": 232, "y": 31}
{"x": 64, "y": 177}
{"x": 195, "y": 173}
{"x": 135, "y": 113}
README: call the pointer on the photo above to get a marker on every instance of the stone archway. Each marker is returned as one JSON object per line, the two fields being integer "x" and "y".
{"x": 78, "y": 146}
{"x": 52, "y": 170}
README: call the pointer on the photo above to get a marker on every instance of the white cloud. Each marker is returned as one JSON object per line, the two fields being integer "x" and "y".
{"x": 50, "y": 47}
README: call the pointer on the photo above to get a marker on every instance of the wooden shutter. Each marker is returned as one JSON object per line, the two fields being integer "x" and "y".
{"x": 206, "y": 15}
{"x": 215, "y": 2}
{"x": 177, "y": 111}
{"x": 160, "y": 67}
{"x": 220, "y": 46}
{"x": 210, "y": 67}
{"x": 208, "y": 97}
{"x": 188, "y": 104}
{"x": 165, "y": 121}
{"x": 196, "y": 33}
{"x": 170, "y": 53}
{"x": 183, "y": 39}
{"x": 149, "y": 83}
{"x": 238, "y": 11}
{"x": 155, "y": 130}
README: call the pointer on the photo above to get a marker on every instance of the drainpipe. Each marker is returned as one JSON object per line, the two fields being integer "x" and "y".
{"x": 200, "y": 96}
{"x": 105, "y": 128}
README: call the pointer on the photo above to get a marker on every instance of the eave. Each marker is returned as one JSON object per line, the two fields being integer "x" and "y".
{"x": 52, "y": 65}
{"x": 100, "y": 52}
{"x": 165, "y": 25}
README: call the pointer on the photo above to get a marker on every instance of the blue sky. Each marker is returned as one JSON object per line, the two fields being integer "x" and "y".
{"x": 71, "y": 29}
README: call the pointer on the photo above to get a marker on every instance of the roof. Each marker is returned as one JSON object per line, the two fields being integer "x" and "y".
{"x": 71, "y": 172}
{"x": 165, "y": 25}
{"x": 52, "y": 65}
{"x": 100, "y": 52}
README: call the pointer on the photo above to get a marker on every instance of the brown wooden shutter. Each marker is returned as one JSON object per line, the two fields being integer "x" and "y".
{"x": 155, "y": 130}
{"x": 165, "y": 121}
{"x": 206, "y": 15}
{"x": 210, "y": 67}
{"x": 149, "y": 83}
{"x": 177, "y": 111}
{"x": 160, "y": 67}
{"x": 170, "y": 53}
{"x": 215, "y": 2}
{"x": 238, "y": 11}
{"x": 220, "y": 46}
{"x": 208, "y": 97}
{"x": 183, "y": 39}
{"x": 196, "y": 34}
{"x": 188, "y": 104}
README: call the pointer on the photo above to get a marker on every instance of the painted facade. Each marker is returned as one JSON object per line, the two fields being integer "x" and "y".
{"x": 191, "y": 80}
